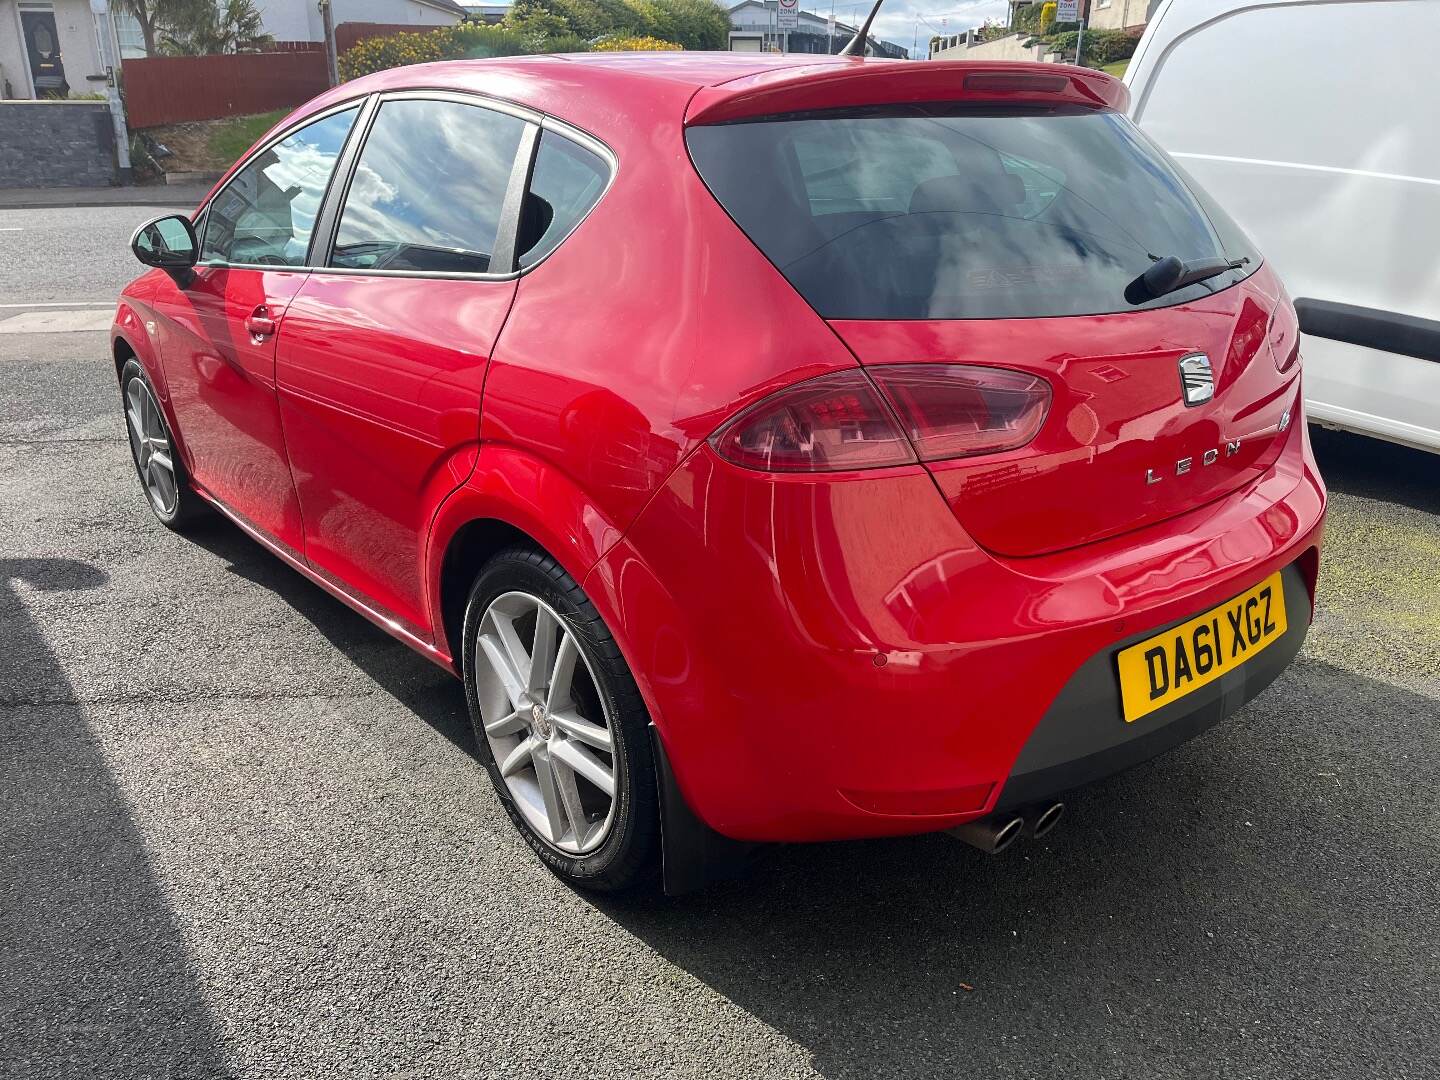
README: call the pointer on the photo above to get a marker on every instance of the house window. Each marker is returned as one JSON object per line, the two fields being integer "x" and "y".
{"x": 127, "y": 33}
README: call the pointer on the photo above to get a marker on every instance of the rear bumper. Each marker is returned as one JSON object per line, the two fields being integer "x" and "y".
{"x": 1081, "y": 737}
{"x": 836, "y": 658}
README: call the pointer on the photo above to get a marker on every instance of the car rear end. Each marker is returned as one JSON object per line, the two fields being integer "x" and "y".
{"x": 1046, "y": 527}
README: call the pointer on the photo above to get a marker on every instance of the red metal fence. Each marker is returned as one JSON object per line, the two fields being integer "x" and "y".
{"x": 172, "y": 89}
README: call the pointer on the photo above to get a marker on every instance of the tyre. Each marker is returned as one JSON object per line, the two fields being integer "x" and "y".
{"x": 157, "y": 464}
{"x": 560, "y": 723}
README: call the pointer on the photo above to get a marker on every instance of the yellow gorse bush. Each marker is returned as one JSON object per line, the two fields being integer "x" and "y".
{"x": 635, "y": 44}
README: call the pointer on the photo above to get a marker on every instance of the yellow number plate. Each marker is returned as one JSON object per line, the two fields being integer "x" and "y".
{"x": 1168, "y": 666}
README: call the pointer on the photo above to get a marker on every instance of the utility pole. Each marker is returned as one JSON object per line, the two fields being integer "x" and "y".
{"x": 104, "y": 24}
{"x": 327, "y": 20}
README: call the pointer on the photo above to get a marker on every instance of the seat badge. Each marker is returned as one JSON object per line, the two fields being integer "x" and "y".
{"x": 1197, "y": 381}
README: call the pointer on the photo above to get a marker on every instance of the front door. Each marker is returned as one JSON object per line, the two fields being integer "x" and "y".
{"x": 220, "y": 327}
{"x": 381, "y": 367}
{"x": 42, "y": 49}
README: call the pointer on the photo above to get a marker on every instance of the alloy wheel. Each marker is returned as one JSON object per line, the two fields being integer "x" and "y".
{"x": 151, "y": 445}
{"x": 548, "y": 727}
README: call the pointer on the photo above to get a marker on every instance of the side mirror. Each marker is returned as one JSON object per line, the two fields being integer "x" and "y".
{"x": 168, "y": 243}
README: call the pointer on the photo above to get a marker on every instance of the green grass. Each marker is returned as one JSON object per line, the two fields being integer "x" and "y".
{"x": 233, "y": 137}
{"x": 1117, "y": 68}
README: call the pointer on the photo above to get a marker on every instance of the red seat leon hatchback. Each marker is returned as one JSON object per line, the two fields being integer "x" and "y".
{"x": 779, "y": 449}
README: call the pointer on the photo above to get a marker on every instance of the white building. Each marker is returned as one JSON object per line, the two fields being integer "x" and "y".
{"x": 51, "y": 48}
{"x": 754, "y": 28}
{"x": 299, "y": 20}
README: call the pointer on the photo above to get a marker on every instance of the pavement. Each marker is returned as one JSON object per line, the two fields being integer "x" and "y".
{"x": 187, "y": 195}
{"x": 244, "y": 834}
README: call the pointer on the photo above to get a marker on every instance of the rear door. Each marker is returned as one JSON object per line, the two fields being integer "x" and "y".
{"x": 386, "y": 346}
{"x": 993, "y": 240}
{"x": 218, "y": 330}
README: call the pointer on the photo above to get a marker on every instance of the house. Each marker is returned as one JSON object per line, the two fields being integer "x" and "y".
{"x": 53, "y": 48}
{"x": 753, "y": 28}
{"x": 299, "y": 20}
{"x": 490, "y": 14}
{"x": 50, "y": 49}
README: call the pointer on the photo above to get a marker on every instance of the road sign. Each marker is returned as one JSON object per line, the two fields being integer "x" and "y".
{"x": 788, "y": 16}
{"x": 1067, "y": 11}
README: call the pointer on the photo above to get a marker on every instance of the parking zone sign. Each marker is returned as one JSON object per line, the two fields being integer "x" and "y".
{"x": 1065, "y": 10}
{"x": 788, "y": 16}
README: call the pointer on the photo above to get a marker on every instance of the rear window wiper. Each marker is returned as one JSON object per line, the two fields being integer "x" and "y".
{"x": 1169, "y": 273}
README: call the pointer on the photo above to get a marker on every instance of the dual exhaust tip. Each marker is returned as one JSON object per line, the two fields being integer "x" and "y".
{"x": 996, "y": 833}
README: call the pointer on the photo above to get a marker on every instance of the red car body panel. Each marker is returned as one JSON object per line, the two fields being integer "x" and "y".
{"x": 1114, "y": 416}
{"x": 848, "y": 654}
{"x": 221, "y": 380}
{"x": 379, "y": 386}
{"x": 808, "y": 587}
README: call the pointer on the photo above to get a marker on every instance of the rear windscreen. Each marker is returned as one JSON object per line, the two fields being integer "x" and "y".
{"x": 944, "y": 212}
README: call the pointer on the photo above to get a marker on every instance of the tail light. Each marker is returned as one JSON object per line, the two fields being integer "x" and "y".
{"x": 831, "y": 423}
{"x": 840, "y": 421}
{"x": 955, "y": 410}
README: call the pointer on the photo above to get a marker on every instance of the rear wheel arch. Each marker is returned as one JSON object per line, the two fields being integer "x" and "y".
{"x": 468, "y": 550}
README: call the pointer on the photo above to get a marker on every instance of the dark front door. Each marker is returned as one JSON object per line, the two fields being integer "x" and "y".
{"x": 42, "y": 46}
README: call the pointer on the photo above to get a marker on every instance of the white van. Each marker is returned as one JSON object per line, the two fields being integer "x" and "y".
{"x": 1317, "y": 125}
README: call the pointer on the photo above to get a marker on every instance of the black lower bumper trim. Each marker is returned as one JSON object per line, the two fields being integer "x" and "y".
{"x": 1083, "y": 738}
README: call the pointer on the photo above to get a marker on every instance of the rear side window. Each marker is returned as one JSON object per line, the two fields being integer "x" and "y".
{"x": 565, "y": 183}
{"x": 944, "y": 212}
{"x": 264, "y": 216}
{"x": 428, "y": 188}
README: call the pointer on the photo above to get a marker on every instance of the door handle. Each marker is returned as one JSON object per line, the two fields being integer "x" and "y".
{"x": 259, "y": 323}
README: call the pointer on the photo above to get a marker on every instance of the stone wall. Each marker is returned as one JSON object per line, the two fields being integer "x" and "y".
{"x": 1005, "y": 48}
{"x": 56, "y": 144}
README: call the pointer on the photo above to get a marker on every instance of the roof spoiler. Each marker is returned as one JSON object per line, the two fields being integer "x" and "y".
{"x": 855, "y": 82}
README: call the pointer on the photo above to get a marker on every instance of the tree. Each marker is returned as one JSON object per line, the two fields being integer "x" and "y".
{"x": 154, "y": 15}
{"x": 536, "y": 22}
{"x": 207, "y": 27}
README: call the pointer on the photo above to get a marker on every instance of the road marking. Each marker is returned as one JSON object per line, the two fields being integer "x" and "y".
{"x": 55, "y": 322}
{"x": 65, "y": 303}
{"x": 13, "y": 228}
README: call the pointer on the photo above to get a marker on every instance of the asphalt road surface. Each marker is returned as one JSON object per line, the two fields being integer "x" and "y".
{"x": 243, "y": 833}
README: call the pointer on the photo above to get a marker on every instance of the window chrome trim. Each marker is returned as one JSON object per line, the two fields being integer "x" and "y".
{"x": 363, "y": 101}
{"x": 330, "y": 210}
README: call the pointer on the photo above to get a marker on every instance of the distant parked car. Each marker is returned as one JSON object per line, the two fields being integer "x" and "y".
{"x": 780, "y": 448}
{"x": 1313, "y": 124}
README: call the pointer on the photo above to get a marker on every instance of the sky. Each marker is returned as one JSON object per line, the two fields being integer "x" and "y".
{"x": 898, "y": 19}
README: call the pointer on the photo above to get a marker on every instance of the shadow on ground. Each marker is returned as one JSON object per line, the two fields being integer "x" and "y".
{"x": 1372, "y": 469}
{"x": 431, "y": 694}
{"x": 1263, "y": 895}
{"x": 1245, "y": 894}
{"x": 93, "y": 968}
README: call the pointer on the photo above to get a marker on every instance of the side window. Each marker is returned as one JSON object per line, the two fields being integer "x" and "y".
{"x": 428, "y": 188}
{"x": 266, "y": 213}
{"x": 565, "y": 183}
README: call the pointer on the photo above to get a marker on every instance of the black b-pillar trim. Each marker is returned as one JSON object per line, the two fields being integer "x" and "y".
{"x": 1387, "y": 331}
